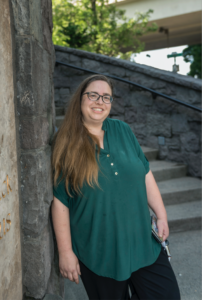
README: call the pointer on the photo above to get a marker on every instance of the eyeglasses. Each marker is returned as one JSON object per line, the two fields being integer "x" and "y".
{"x": 95, "y": 96}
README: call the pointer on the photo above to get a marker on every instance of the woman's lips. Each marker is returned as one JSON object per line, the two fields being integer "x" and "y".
{"x": 97, "y": 111}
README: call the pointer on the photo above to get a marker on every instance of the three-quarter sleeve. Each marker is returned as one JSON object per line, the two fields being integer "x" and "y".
{"x": 140, "y": 153}
{"x": 59, "y": 191}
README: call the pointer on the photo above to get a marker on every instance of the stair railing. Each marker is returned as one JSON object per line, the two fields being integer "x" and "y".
{"x": 153, "y": 92}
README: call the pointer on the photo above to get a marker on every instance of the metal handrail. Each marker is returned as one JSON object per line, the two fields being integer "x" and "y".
{"x": 154, "y": 93}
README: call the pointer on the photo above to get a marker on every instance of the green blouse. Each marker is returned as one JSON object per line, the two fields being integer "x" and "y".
{"x": 111, "y": 228}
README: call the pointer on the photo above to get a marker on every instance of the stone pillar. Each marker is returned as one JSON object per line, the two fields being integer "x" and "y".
{"x": 34, "y": 63}
{"x": 10, "y": 244}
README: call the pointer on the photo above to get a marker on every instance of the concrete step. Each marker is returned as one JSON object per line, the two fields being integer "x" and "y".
{"x": 58, "y": 120}
{"x": 184, "y": 216}
{"x": 180, "y": 190}
{"x": 165, "y": 170}
{"x": 150, "y": 153}
{"x": 59, "y": 111}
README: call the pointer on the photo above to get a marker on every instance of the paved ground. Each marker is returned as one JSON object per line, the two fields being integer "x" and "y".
{"x": 186, "y": 261}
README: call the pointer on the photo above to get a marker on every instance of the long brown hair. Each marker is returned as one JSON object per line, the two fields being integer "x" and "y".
{"x": 73, "y": 152}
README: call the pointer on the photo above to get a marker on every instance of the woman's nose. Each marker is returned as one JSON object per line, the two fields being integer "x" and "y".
{"x": 100, "y": 100}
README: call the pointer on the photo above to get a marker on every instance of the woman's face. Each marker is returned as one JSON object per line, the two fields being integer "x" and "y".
{"x": 88, "y": 107}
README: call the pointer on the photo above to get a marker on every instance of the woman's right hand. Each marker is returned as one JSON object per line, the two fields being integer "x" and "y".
{"x": 69, "y": 266}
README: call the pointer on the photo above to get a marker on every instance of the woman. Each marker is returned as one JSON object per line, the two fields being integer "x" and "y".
{"x": 102, "y": 189}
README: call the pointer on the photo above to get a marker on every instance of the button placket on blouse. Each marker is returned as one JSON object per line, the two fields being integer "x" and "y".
{"x": 112, "y": 164}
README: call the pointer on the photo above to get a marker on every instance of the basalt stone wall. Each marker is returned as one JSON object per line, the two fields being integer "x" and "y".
{"x": 173, "y": 129}
{"x": 33, "y": 65}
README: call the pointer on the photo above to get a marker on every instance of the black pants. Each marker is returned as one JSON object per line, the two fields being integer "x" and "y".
{"x": 156, "y": 281}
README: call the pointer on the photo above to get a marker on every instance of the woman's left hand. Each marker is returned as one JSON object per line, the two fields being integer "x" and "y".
{"x": 163, "y": 229}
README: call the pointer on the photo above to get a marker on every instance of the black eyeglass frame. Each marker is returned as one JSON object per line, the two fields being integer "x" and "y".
{"x": 111, "y": 98}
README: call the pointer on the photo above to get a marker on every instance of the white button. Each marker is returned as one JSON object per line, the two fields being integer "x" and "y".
{"x": 112, "y": 164}
{"x": 116, "y": 173}
{"x": 108, "y": 155}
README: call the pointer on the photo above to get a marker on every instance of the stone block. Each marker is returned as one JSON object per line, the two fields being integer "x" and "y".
{"x": 173, "y": 143}
{"x": 163, "y": 152}
{"x": 36, "y": 190}
{"x": 158, "y": 124}
{"x": 33, "y": 84}
{"x": 194, "y": 97}
{"x": 34, "y": 17}
{"x": 66, "y": 71}
{"x": 64, "y": 95}
{"x": 159, "y": 84}
{"x": 36, "y": 20}
{"x": 90, "y": 64}
{"x": 164, "y": 106}
{"x": 121, "y": 90}
{"x": 73, "y": 59}
{"x": 192, "y": 115}
{"x": 190, "y": 141}
{"x": 62, "y": 57}
{"x": 71, "y": 82}
{"x": 56, "y": 95}
{"x": 128, "y": 73}
{"x": 64, "y": 92}
{"x": 26, "y": 103}
{"x": 23, "y": 52}
{"x": 142, "y": 79}
{"x": 68, "y": 59}
{"x": 166, "y": 88}
{"x": 178, "y": 156}
{"x": 117, "y": 107}
{"x": 131, "y": 114}
{"x": 116, "y": 71}
{"x": 194, "y": 164}
{"x": 58, "y": 73}
{"x": 21, "y": 12}
{"x": 47, "y": 25}
{"x": 140, "y": 132}
{"x": 41, "y": 78}
{"x": 179, "y": 123}
{"x": 34, "y": 132}
{"x": 61, "y": 82}
{"x": 136, "y": 114}
{"x": 152, "y": 141}
{"x": 195, "y": 126}
{"x": 25, "y": 97}
{"x": 142, "y": 98}
{"x": 104, "y": 69}
{"x": 37, "y": 259}
{"x": 188, "y": 95}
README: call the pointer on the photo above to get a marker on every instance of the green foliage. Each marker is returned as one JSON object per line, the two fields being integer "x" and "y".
{"x": 96, "y": 26}
{"x": 192, "y": 54}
